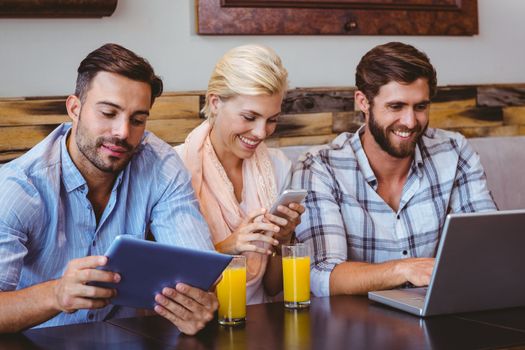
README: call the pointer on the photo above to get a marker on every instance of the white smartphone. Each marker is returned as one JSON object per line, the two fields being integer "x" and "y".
{"x": 287, "y": 197}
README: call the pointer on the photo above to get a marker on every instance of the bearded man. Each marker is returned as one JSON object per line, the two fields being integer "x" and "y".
{"x": 378, "y": 198}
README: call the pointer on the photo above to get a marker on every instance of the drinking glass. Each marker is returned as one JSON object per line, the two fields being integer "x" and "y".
{"x": 296, "y": 275}
{"x": 231, "y": 292}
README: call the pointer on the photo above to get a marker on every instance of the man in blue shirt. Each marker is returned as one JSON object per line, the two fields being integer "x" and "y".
{"x": 64, "y": 201}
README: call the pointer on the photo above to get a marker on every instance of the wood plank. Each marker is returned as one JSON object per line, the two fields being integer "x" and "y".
{"x": 514, "y": 115}
{"x": 451, "y": 97}
{"x": 300, "y": 141}
{"x": 32, "y": 112}
{"x": 304, "y": 124}
{"x": 175, "y": 107}
{"x": 173, "y": 131}
{"x": 521, "y": 130}
{"x": 317, "y": 100}
{"x": 455, "y": 97}
{"x": 501, "y": 95}
{"x": 53, "y": 110}
{"x": 9, "y": 156}
{"x": 473, "y": 117}
{"x": 347, "y": 121}
{"x": 488, "y": 131}
{"x": 456, "y": 104}
{"x": 21, "y": 138}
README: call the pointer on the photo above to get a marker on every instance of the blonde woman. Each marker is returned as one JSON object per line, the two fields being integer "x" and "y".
{"x": 236, "y": 178}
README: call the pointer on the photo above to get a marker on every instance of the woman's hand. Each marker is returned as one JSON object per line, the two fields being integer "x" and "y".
{"x": 249, "y": 232}
{"x": 287, "y": 219}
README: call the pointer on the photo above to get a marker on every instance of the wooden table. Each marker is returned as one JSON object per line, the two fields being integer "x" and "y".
{"x": 342, "y": 322}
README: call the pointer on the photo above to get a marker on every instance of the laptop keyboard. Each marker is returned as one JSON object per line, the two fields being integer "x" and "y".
{"x": 415, "y": 293}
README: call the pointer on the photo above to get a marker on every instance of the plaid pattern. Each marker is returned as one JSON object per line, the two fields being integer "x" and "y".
{"x": 346, "y": 219}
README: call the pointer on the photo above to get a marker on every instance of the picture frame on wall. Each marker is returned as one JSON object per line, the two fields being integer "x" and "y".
{"x": 337, "y": 17}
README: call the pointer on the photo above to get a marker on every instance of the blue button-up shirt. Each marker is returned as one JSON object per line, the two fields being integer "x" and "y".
{"x": 46, "y": 219}
{"x": 345, "y": 218}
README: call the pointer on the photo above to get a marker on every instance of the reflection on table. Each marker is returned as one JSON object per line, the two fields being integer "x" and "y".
{"x": 330, "y": 323}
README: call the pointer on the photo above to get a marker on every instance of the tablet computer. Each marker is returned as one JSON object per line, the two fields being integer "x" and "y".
{"x": 147, "y": 267}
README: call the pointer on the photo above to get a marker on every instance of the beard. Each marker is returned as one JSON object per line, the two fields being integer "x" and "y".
{"x": 381, "y": 136}
{"x": 90, "y": 150}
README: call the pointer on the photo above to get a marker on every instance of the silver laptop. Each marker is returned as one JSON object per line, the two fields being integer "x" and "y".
{"x": 480, "y": 265}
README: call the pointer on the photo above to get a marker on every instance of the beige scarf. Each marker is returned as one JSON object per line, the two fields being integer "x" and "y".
{"x": 216, "y": 195}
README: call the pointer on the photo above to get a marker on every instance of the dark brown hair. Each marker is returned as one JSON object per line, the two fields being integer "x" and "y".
{"x": 114, "y": 58}
{"x": 393, "y": 61}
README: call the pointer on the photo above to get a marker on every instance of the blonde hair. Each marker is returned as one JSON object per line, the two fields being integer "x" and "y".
{"x": 246, "y": 70}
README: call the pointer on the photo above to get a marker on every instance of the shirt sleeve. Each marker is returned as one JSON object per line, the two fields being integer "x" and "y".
{"x": 19, "y": 208}
{"x": 470, "y": 192}
{"x": 321, "y": 227}
{"x": 176, "y": 218}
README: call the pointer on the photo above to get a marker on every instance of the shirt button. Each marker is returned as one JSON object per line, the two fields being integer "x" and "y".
{"x": 405, "y": 252}
{"x": 94, "y": 243}
{"x": 91, "y": 316}
{"x": 398, "y": 217}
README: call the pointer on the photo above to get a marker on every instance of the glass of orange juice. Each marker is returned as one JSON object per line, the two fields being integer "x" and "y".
{"x": 296, "y": 275}
{"x": 231, "y": 292}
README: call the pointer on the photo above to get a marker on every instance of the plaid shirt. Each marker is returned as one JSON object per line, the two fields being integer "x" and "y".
{"x": 346, "y": 219}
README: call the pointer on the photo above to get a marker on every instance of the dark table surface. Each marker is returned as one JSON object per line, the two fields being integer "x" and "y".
{"x": 342, "y": 322}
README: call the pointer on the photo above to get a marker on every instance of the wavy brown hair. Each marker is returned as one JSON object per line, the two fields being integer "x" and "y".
{"x": 116, "y": 59}
{"x": 393, "y": 61}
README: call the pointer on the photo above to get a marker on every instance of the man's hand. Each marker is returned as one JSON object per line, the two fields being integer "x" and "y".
{"x": 417, "y": 270}
{"x": 72, "y": 292}
{"x": 187, "y": 307}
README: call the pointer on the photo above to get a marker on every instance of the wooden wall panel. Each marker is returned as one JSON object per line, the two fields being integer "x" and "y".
{"x": 514, "y": 115}
{"x": 32, "y": 112}
{"x": 503, "y": 130}
{"x": 304, "y": 124}
{"x": 347, "y": 121}
{"x": 175, "y": 107}
{"x": 470, "y": 117}
{"x": 173, "y": 131}
{"x": 22, "y": 138}
{"x": 501, "y": 95}
{"x": 300, "y": 140}
{"x": 310, "y": 116}
{"x": 315, "y": 100}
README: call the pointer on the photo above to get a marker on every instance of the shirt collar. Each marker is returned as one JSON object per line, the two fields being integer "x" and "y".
{"x": 417, "y": 163}
{"x": 362, "y": 159}
{"x": 71, "y": 176}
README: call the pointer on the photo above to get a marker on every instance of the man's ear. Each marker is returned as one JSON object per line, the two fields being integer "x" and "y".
{"x": 361, "y": 101}
{"x": 73, "y": 106}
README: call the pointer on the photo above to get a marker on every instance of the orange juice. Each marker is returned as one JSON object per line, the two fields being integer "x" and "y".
{"x": 296, "y": 279}
{"x": 231, "y": 293}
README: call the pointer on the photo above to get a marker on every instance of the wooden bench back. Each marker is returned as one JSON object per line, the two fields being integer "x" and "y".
{"x": 310, "y": 116}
